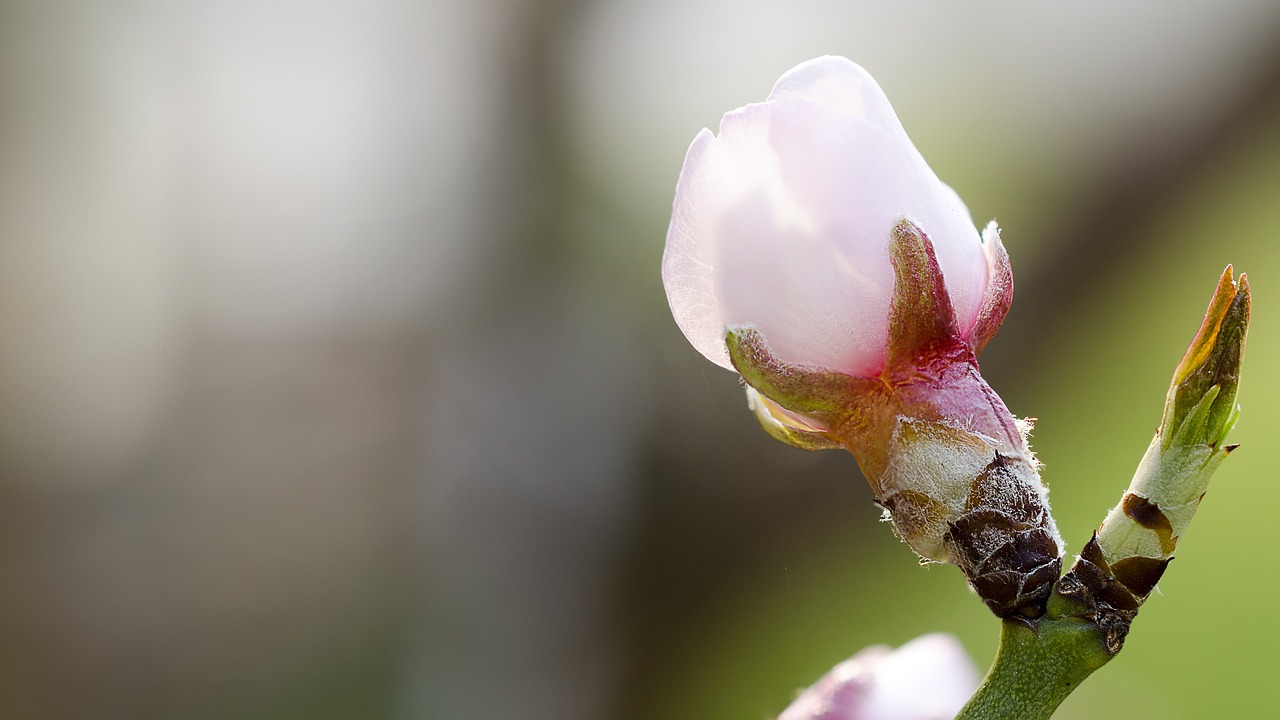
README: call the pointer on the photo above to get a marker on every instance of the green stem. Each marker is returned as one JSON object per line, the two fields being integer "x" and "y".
{"x": 1035, "y": 669}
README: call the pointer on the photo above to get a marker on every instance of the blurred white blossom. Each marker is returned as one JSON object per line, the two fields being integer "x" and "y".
{"x": 929, "y": 678}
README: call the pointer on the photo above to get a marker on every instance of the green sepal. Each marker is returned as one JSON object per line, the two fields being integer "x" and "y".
{"x": 794, "y": 387}
{"x": 787, "y": 432}
{"x": 998, "y": 296}
{"x": 922, "y": 321}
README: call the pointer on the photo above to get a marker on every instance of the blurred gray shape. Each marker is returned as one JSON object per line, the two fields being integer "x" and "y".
{"x": 529, "y": 471}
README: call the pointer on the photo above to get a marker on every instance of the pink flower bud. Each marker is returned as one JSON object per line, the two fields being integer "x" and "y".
{"x": 812, "y": 249}
{"x": 929, "y": 678}
{"x": 783, "y": 220}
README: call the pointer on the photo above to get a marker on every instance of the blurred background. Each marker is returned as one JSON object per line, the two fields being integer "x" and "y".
{"x": 337, "y": 379}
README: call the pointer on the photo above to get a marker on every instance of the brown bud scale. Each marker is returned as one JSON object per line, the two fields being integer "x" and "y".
{"x": 1111, "y": 594}
{"x": 1149, "y": 515}
{"x": 1005, "y": 542}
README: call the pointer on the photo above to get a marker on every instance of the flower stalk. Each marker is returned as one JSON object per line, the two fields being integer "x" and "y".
{"x": 1036, "y": 668}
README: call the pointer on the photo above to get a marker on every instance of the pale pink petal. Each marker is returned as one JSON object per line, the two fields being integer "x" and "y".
{"x": 687, "y": 261}
{"x": 783, "y": 220}
{"x": 929, "y": 678}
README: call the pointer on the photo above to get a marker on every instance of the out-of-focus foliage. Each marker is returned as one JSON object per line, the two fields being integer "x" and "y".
{"x": 336, "y": 378}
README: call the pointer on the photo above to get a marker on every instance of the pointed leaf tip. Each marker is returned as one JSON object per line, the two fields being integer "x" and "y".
{"x": 1206, "y": 381}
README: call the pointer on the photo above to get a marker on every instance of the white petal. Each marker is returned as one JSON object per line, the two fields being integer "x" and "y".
{"x": 783, "y": 222}
{"x": 842, "y": 85}
{"x": 930, "y": 677}
{"x": 687, "y": 271}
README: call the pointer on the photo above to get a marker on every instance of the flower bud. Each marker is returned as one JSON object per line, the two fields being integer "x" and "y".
{"x": 812, "y": 249}
{"x": 929, "y": 678}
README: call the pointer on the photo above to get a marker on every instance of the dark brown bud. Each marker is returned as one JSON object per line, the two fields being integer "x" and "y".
{"x": 1005, "y": 542}
{"x": 1111, "y": 595}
